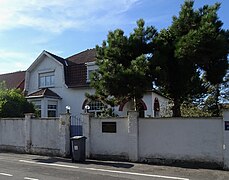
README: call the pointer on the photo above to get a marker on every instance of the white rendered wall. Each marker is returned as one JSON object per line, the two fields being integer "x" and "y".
{"x": 226, "y": 138}
{"x": 153, "y": 139}
{"x": 45, "y": 133}
{"x": 39, "y": 136}
{"x": 111, "y": 144}
{"x": 12, "y": 132}
{"x": 181, "y": 138}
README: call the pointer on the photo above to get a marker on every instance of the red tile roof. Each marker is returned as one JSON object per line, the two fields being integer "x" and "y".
{"x": 76, "y": 76}
{"x": 88, "y": 55}
{"x": 14, "y": 80}
{"x": 76, "y": 71}
{"x": 43, "y": 93}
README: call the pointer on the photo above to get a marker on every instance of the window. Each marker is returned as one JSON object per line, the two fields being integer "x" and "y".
{"x": 46, "y": 79}
{"x": 91, "y": 67}
{"x": 96, "y": 107}
{"x": 52, "y": 108}
{"x": 89, "y": 74}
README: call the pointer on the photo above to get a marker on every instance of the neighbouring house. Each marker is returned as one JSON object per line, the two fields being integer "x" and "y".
{"x": 53, "y": 83}
{"x": 13, "y": 80}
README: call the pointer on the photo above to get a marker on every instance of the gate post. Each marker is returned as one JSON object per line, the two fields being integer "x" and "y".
{"x": 28, "y": 132}
{"x": 133, "y": 135}
{"x": 86, "y": 131}
{"x": 64, "y": 134}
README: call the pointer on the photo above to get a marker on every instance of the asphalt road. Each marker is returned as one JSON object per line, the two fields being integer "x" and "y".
{"x": 33, "y": 167}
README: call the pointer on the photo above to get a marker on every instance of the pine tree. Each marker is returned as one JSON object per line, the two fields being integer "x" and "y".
{"x": 193, "y": 48}
{"x": 123, "y": 64}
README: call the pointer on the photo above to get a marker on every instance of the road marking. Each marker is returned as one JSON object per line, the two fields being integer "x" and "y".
{"x": 104, "y": 170}
{"x": 4, "y": 174}
{"x": 48, "y": 164}
{"x": 28, "y": 178}
{"x": 137, "y": 174}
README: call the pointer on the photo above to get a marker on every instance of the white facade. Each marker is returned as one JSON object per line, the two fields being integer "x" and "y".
{"x": 48, "y": 72}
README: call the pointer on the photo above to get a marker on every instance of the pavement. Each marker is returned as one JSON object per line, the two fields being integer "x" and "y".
{"x": 35, "y": 167}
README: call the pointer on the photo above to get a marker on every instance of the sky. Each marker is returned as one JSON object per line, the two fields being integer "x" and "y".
{"x": 67, "y": 27}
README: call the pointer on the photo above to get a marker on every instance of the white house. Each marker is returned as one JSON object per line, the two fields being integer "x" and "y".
{"x": 52, "y": 83}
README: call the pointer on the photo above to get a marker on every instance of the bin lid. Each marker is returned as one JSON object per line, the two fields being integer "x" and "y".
{"x": 78, "y": 137}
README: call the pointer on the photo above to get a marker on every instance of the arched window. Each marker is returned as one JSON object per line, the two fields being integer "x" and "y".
{"x": 95, "y": 107}
{"x": 156, "y": 107}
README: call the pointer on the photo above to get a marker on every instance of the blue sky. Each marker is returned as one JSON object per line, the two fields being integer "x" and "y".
{"x": 66, "y": 27}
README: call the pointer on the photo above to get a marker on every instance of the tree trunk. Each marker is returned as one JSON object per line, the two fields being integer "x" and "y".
{"x": 176, "y": 108}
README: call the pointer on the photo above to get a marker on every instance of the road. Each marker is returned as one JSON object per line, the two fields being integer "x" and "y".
{"x": 33, "y": 167}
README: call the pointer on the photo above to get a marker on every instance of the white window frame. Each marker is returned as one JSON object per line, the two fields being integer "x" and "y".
{"x": 52, "y": 106}
{"x": 96, "y": 107}
{"x": 91, "y": 67}
{"x": 48, "y": 79}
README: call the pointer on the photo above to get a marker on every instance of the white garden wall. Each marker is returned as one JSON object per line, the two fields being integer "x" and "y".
{"x": 203, "y": 140}
{"x": 112, "y": 144}
{"x": 45, "y": 134}
{"x": 39, "y": 136}
{"x": 181, "y": 139}
{"x": 12, "y": 133}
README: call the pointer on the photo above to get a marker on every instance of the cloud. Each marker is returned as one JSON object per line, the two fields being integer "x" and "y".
{"x": 11, "y": 61}
{"x": 58, "y": 15}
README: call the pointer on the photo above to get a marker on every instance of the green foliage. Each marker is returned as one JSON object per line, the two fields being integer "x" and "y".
{"x": 192, "y": 110}
{"x": 3, "y": 85}
{"x": 13, "y": 104}
{"x": 123, "y": 64}
{"x": 225, "y": 89}
{"x": 193, "y": 49}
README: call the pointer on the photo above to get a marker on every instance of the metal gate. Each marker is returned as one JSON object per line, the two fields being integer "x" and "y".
{"x": 76, "y": 127}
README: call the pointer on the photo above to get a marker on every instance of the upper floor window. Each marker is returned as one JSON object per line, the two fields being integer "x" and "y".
{"x": 91, "y": 67}
{"x": 46, "y": 79}
{"x": 89, "y": 74}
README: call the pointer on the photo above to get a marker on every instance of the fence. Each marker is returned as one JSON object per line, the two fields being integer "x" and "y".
{"x": 203, "y": 140}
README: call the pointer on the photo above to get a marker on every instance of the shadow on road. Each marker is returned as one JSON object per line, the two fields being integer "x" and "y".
{"x": 87, "y": 162}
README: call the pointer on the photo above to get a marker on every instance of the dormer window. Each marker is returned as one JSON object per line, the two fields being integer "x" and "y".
{"x": 46, "y": 79}
{"x": 91, "y": 67}
{"x": 89, "y": 74}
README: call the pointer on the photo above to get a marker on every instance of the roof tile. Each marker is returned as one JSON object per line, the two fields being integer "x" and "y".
{"x": 45, "y": 92}
{"x": 14, "y": 80}
{"x": 76, "y": 76}
{"x": 88, "y": 55}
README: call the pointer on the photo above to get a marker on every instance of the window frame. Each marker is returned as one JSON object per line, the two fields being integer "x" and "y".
{"x": 48, "y": 79}
{"x": 50, "y": 108}
{"x": 96, "y": 107}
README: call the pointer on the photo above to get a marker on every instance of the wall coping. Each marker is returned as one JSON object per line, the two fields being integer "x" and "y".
{"x": 14, "y": 119}
{"x": 108, "y": 118}
{"x": 182, "y": 118}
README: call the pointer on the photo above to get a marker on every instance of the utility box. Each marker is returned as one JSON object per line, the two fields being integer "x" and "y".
{"x": 78, "y": 147}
